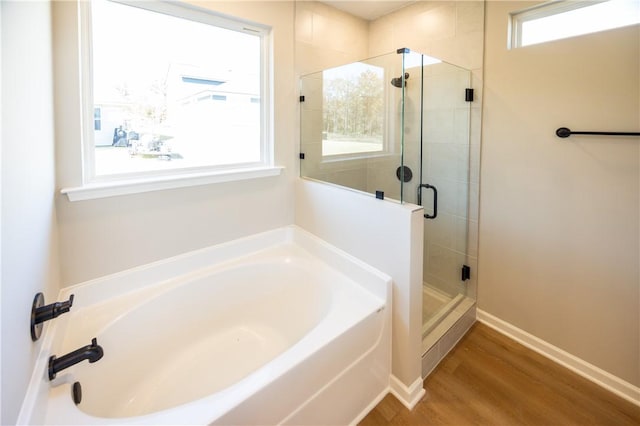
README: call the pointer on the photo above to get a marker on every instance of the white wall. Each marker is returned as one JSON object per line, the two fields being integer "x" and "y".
{"x": 385, "y": 234}
{"x": 29, "y": 240}
{"x": 103, "y": 236}
{"x": 559, "y": 218}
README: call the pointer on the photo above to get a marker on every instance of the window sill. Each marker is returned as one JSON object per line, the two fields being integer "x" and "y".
{"x": 115, "y": 188}
{"x": 339, "y": 158}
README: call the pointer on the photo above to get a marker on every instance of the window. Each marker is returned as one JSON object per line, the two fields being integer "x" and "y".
{"x": 97, "y": 121}
{"x": 353, "y": 113}
{"x": 561, "y": 19}
{"x": 173, "y": 89}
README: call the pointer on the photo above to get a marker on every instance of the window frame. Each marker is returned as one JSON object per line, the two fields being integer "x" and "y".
{"x": 220, "y": 172}
{"x": 546, "y": 9}
{"x": 517, "y": 18}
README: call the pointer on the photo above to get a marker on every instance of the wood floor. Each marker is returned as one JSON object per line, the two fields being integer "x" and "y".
{"x": 488, "y": 379}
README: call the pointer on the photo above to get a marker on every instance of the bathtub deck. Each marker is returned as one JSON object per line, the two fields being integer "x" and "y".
{"x": 490, "y": 379}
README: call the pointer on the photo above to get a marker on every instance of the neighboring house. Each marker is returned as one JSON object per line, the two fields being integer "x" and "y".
{"x": 106, "y": 118}
{"x": 194, "y": 105}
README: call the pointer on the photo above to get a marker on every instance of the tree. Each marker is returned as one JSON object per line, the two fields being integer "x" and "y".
{"x": 354, "y": 106}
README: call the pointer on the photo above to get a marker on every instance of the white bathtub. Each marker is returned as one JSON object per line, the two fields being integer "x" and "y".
{"x": 275, "y": 328}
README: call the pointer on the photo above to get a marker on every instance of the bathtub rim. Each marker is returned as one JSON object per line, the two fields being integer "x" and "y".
{"x": 195, "y": 260}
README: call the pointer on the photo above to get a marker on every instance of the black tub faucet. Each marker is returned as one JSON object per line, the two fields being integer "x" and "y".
{"x": 92, "y": 352}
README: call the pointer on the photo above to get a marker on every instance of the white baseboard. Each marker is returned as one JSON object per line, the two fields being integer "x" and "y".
{"x": 408, "y": 396}
{"x": 589, "y": 371}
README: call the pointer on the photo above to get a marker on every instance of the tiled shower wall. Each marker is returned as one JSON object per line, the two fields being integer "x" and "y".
{"x": 452, "y": 31}
{"x": 326, "y": 37}
{"x": 449, "y": 30}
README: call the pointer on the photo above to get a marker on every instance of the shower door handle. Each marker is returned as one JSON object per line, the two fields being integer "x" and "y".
{"x": 435, "y": 199}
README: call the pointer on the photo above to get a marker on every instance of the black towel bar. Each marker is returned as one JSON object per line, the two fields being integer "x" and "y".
{"x": 563, "y": 132}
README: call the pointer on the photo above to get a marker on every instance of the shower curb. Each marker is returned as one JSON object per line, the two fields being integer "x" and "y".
{"x": 447, "y": 334}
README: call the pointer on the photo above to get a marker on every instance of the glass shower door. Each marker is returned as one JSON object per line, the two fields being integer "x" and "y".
{"x": 436, "y": 141}
{"x": 398, "y": 124}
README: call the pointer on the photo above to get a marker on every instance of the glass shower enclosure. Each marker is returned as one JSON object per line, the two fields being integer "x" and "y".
{"x": 397, "y": 125}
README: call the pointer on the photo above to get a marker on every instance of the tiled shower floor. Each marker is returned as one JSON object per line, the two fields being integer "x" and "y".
{"x": 436, "y": 305}
{"x": 432, "y": 302}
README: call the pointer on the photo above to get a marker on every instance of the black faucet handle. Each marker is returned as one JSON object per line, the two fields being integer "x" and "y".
{"x": 40, "y": 313}
{"x": 62, "y": 307}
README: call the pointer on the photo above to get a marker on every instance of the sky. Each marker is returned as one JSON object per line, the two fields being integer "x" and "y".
{"x": 136, "y": 46}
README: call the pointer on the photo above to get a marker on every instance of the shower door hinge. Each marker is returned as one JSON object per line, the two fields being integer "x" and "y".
{"x": 466, "y": 273}
{"x": 468, "y": 95}
{"x": 301, "y": 98}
